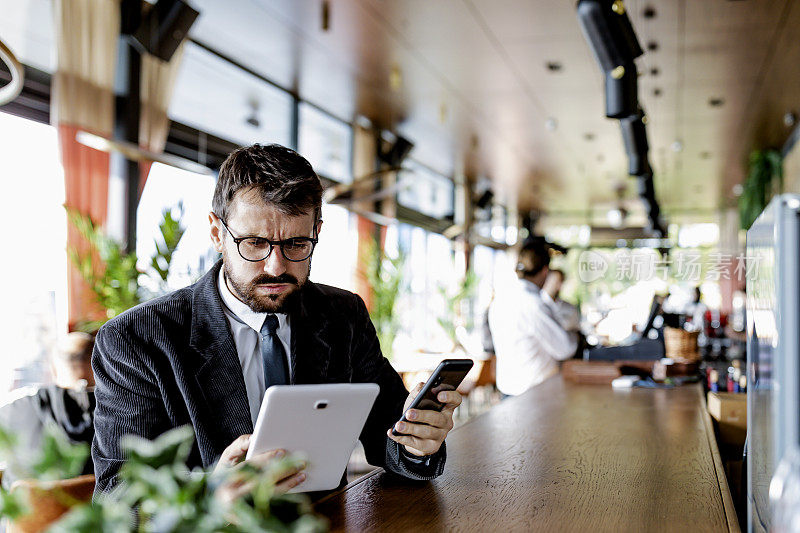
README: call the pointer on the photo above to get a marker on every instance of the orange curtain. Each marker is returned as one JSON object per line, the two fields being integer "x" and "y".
{"x": 86, "y": 184}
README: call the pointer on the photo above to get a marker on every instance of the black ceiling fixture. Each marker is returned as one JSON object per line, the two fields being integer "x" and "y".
{"x": 554, "y": 66}
{"x": 610, "y": 35}
{"x": 716, "y": 101}
{"x": 634, "y": 137}
{"x": 395, "y": 152}
{"x": 164, "y": 27}
{"x": 622, "y": 88}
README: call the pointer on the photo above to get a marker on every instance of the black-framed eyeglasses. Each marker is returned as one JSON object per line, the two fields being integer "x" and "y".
{"x": 255, "y": 249}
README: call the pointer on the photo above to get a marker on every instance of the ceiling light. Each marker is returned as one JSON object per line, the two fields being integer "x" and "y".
{"x": 649, "y": 12}
{"x": 677, "y": 146}
{"x": 395, "y": 78}
{"x": 588, "y": 136}
{"x": 551, "y": 124}
{"x": 652, "y": 46}
{"x": 738, "y": 189}
{"x": 789, "y": 119}
{"x": 554, "y": 66}
{"x": 716, "y": 101}
{"x": 655, "y": 71}
{"x": 657, "y": 92}
{"x": 705, "y": 155}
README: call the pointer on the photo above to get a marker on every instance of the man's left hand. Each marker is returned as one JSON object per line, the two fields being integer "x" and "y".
{"x": 425, "y": 431}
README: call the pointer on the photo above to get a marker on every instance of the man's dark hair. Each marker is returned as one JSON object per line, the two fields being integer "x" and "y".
{"x": 283, "y": 177}
{"x": 534, "y": 256}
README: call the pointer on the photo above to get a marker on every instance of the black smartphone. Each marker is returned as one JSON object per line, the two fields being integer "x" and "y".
{"x": 447, "y": 376}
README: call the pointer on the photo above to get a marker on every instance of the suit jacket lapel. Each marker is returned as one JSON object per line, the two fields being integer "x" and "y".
{"x": 310, "y": 349}
{"x": 219, "y": 374}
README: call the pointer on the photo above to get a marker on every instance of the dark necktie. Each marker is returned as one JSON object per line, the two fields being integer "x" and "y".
{"x": 276, "y": 370}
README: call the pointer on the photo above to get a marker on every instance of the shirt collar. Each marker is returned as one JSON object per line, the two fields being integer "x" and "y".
{"x": 528, "y": 285}
{"x": 241, "y": 310}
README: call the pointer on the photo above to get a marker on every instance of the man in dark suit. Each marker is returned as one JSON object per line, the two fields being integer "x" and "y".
{"x": 205, "y": 354}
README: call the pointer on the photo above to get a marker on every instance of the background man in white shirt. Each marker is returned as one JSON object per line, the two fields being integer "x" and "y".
{"x": 528, "y": 339}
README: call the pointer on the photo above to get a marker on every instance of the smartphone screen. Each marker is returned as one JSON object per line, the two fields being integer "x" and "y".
{"x": 447, "y": 376}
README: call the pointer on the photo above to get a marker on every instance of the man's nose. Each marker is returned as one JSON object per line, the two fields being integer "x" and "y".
{"x": 275, "y": 263}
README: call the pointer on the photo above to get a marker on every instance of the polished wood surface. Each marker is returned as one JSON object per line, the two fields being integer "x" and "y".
{"x": 561, "y": 457}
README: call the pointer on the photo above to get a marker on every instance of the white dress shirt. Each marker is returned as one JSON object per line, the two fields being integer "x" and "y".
{"x": 528, "y": 340}
{"x": 565, "y": 313}
{"x": 246, "y": 329}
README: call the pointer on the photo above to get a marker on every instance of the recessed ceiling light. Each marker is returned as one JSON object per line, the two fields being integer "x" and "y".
{"x": 705, "y": 155}
{"x": 554, "y": 66}
{"x": 655, "y": 71}
{"x": 789, "y": 119}
{"x": 652, "y": 46}
{"x": 588, "y": 136}
{"x": 551, "y": 124}
{"x": 657, "y": 92}
{"x": 649, "y": 12}
{"x": 716, "y": 101}
{"x": 677, "y": 146}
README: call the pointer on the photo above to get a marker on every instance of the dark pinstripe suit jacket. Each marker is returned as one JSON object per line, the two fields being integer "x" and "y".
{"x": 172, "y": 361}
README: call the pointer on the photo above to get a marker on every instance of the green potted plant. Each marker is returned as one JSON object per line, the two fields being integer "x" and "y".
{"x": 453, "y": 313}
{"x": 764, "y": 180}
{"x": 385, "y": 277}
{"x": 116, "y": 285}
{"x": 157, "y": 493}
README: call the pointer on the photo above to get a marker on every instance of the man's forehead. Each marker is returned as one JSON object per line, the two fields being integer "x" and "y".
{"x": 250, "y": 210}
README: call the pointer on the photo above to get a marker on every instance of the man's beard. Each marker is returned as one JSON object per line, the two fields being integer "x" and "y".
{"x": 266, "y": 303}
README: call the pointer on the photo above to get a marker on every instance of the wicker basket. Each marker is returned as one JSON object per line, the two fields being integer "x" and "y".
{"x": 681, "y": 345}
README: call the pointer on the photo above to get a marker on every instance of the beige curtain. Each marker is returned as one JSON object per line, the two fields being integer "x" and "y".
{"x": 86, "y": 49}
{"x": 158, "y": 82}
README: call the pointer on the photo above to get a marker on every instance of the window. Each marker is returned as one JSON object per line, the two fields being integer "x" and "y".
{"x": 33, "y": 276}
{"x": 326, "y": 142}
{"x": 335, "y": 255}
{"x": 429, "y": 267}
{"x": 425, "y": 191}
{"x": 232, "y": 103}
{"x": 167, "y": 188}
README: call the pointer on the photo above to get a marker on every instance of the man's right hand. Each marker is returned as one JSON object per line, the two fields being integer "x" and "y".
{"x": 235, "y": 454}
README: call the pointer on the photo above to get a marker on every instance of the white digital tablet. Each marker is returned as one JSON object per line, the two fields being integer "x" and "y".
{"x": 319, "y": 423}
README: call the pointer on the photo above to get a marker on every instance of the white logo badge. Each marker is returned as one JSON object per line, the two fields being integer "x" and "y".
{"x": 591, "y": 266}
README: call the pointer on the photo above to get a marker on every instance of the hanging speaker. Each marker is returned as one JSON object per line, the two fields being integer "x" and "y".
{"x": 634, "y": 136}
{"x": 622, "y": 87}
{"x": 609, "y": 32}
{"x": 397, "y": 152}
{"x": 164, "y": 27}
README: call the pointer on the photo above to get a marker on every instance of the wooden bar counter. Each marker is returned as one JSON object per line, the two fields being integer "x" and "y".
{"x": 561, "y": 457}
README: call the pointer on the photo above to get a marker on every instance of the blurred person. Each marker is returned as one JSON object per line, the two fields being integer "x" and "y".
{"x": 66, "y": 406}
{"x": 528, "y": 339}
{"x": 696, "y": 310}
{"x": 204, "y": 355}
{"x": 565, "y": 313}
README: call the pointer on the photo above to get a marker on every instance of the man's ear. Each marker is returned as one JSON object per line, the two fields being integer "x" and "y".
{"x": 216, "y": 231}
{"x": 319, "y": 227}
